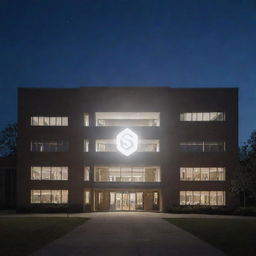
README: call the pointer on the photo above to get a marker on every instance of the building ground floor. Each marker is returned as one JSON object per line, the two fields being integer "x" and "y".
{"x": 121, "y": 200}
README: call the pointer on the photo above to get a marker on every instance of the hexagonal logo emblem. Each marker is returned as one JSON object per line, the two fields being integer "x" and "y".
{"x": 127, "y": 142}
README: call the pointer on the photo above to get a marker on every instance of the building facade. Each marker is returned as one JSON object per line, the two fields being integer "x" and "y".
{"x": 125, "y": 148}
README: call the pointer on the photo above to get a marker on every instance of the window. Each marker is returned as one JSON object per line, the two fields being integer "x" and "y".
{"x": 49, "y": 196}
{"x": 202, "y": 146}
{"x": 49, "y": 146}
{"x": 87, "y": 173}
{"x": 49, "y": 173}
{"x": 124, "y": 119}
{"x": 109, "y": 145}
{"x": 87, "y": 197}
{"x": 126, "y": 174}
{"x": 49, "y": 121}
{"x": 202, "y": 197}
{"x": 202, "y": 116}
{"x": 86, "y": 145}
{"x": 202, "y": 174}
{"x": 86, "y": 119}
{"x": 155, "y": 198}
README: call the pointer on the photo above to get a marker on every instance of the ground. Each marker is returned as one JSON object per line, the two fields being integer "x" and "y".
{"x": 23, "y": 235}
{"x": 131, "y": 233}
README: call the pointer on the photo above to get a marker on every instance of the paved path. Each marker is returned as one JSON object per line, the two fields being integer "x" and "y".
{"x": 128, "y": 234}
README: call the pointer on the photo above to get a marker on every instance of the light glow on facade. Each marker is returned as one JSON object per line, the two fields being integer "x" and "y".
{"x": 127, "y": 142}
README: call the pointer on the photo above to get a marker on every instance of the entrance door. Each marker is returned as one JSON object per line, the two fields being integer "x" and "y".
{"x": 119, "y": 202}
{"x": 126, "y": 201}
{"x": 132, "y": 201}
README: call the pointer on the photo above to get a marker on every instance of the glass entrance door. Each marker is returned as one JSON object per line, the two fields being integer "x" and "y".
{"x": 126, "y": 201}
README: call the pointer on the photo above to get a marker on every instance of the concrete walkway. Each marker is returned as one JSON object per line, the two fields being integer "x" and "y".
{"x": 126, "y": 234}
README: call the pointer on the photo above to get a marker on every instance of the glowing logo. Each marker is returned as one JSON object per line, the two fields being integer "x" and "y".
{"x": 127, "y": 142}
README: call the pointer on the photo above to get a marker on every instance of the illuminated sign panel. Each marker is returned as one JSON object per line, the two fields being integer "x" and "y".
{"x": 127, "y": 142}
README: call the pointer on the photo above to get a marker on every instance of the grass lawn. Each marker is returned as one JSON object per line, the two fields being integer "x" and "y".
{"x": 21, "y": 236}
{"x": 232, "y": 236}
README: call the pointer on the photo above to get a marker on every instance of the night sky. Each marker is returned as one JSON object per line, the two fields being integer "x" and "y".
{"x": 59, "y": 43}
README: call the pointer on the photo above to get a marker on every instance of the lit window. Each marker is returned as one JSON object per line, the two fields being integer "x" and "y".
{"x": 49, "y": 121}
{"x": 202, "y": 146}
{"x": 126, "y": 174}
{"x": 202, "y": 198}
{"x": 49, "y": 146}
{"x": 202, "y": 116}
{"x": 86, "y": 145}
{"x": 86, "y": 119}
{"x": 202, "y": 174}
{"x": 87, "y": 173}
{"x": 124, "y": 119}
{"x": 49, "y": 196}
{"x": 87, "y": 197}
{"x": 49, "y": 173}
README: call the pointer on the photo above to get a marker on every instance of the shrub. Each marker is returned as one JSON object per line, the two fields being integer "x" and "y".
{"x": 247, "y": 211}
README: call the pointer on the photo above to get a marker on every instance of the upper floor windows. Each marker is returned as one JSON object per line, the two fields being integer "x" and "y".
{"x": 202, "y": 116}
{"x": 127, "y": 119}
{"x": 203, "y": 146}
{"x": 86, "y": 173}
{"x": 49, "y": 173}
{"x": 49, "y": 146}
{"x": 126, "y": 174}
{"x": 202, "y": 174}
{"x": 143, "y": 146}
{"x": 49, "y": 196}
{"x": 49, "y": 121}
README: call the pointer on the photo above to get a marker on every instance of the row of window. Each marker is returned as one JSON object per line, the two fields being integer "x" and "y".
{"x": 202, "y": 198}
{"x": 212, "y": 198}
{"x": 144, "y": 146}
{"x": 202, "y": 174}
{"x": 49, "y": 121}
{"x": 202, "y": 116}
{"x": 128, "y": 174}
{"x": 49, "y": 173}
{"x": 203, "y": 146}
{"x": 126, "y": 119}
{"x": 49, "y": 196}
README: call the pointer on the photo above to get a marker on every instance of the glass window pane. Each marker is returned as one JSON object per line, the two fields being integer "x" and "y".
{"x": 204, "y": 173}
{"x": 196, "y": 174}
{"x": 199, "y": 116}
{"x": 196, "y": 197}
{"x": 205, "y": 200}
{"x": 86, "y": 119}
{"x": 183, "y": 174}
{"x": 36, "y": 173}
{"x": 35, "y": 196}
{"x": 194, "y": 117}
{"x": 64, "y": 173}
{"x": 138, "y": 174}
{"x": 189, "y": 197}
{"x": 64, "y": 196}
{"x": 45, "y": 196}
{"x": 64, "y": 121}
{"x": 220, "y": 197}
{"x": 46, "y": 173}
{"x": 34, "y": 120}
{"x": 221, "y": 173}
{"x": 126, "y": 174}
{"x": 46, "y": 121}
{"x": 213, "y": 198}
{"x": 87, "y": 173}
{"x": 56, "y": 173}
{"x": 214, "y": 174}
{"x": 56, "y": 196}
{"x": 182, "y": 198}
{"x": 87, "y": 197}
{"x": 41, "y": 121}
{"x": 206, "y": 116}
{"x": 52, "y": 121}
{"x": 58, "y": 121}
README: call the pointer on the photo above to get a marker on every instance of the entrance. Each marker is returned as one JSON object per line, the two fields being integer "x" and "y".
{"x": 126, "y": 201}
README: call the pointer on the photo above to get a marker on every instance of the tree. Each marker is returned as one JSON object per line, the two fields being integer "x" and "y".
{"x": 244, "y": 181}
{"x": 8, "y": 138}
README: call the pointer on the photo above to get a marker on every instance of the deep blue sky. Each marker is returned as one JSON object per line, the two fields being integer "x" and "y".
{"x": 59, "y": 43}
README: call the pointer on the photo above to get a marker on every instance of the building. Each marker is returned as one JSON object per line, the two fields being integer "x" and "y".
{"x": 125, "y": 148}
